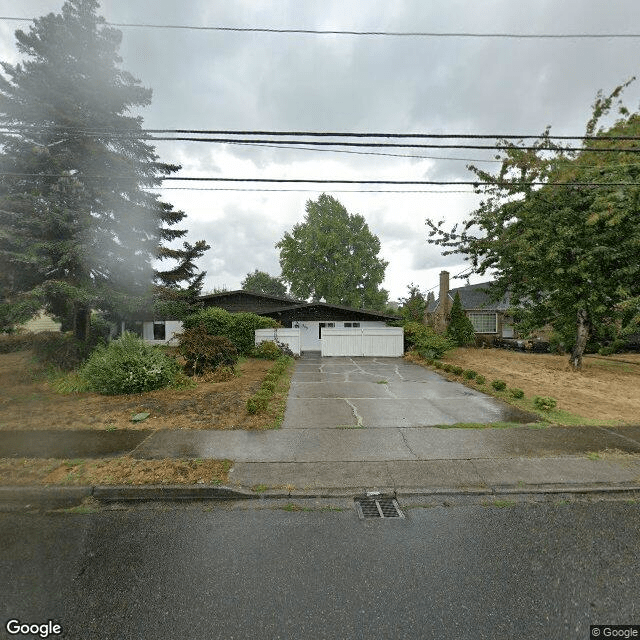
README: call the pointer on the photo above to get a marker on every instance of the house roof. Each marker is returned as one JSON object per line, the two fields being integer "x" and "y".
{"x": 325, "y": 311}
{"x": 243, "y": 292}
{"x": 475, "y": 296}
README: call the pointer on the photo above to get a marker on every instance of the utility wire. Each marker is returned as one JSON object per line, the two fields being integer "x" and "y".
{"x": 350, "y": 32}
{"x": 306, "y": 134}
{"x": 473, "y": 183}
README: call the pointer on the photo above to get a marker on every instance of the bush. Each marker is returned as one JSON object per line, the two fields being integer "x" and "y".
{"x": 499, "y": 385}
{"x": 480, "y": 379}
{"x": 615, "y": 347}
{"x": 544, "y": 403}
{"x": 237, "y": 327}
{"x": 205, "y": 353}
{"x": 269, "y": 385}
{"x": 438, "y": 365}
{"x": 469, "y": 374}
{"x": 128, "y": 365}
{"x": 257, "y": 403}
{"x": 424, "y": 340}
{"x": 12, "y": 342}
{"x": 457, "y": 370}
{"x": 516, "y": 393}
{"x": 268, "y": 350}
{"x": 63, "y": 350}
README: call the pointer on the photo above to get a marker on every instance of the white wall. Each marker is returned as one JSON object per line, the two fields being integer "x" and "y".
{"x": 290, "y": 337}
{"x": 309, "y": 330}
{"x": 171, "y": 327}
{"x": 372, "y": 341}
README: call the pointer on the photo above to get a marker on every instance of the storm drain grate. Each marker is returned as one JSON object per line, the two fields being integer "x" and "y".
{"x": 377, "y": 507}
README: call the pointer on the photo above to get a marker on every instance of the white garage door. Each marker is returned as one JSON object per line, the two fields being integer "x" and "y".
{"x": 374, "y": 341}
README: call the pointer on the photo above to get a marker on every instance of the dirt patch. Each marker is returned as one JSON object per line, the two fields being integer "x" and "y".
{"x": 28, "y": 402}
{"x": 117, "y": 471}
{"x": 607, "y": 388}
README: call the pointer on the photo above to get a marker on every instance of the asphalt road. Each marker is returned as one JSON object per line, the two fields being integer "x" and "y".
{"x": 256, "y": 571}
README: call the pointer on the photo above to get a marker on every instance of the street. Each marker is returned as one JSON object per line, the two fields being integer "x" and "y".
{"x": 261, "y": 570}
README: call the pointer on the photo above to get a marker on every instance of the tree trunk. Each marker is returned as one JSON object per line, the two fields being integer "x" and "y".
{"x": 82, "y": 323}
{"x": 582, "y": 335}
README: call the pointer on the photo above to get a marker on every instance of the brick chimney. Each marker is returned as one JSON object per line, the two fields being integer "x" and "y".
{"x": 444, "y": 304}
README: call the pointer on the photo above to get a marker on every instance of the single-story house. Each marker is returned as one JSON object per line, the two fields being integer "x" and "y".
{"x": 310, "y": 317}
{"x": 490, "y": 319}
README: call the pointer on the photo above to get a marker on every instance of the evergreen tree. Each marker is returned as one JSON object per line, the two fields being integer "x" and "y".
{"x": 460, "y": 328}
{"x": 414, "y": 306}
{"x": 78, "y": 229}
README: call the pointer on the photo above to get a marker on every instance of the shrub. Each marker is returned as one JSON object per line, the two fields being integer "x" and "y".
{"x": 469, "y": 374}
{"x": 128, "y": 365}
{"x": 544, "y": 403}
{"x": 499, "y": 385}
{"x": 460, "y": 329}
{"x": 457, "y": 370}
{"x": 269, "y": 385}
{"x": 480, "y": 379}
{"x": 438, "y": 365}
{"x": 63, "y": 350}
{"x": 12, "y": 342}
{"x": 516, "y": 393}
{"x": 256, "y": 403}
{"x": 425, "y": 341}
{"x": 616, "y": 346}
{"x": 267, "y": 350}
{"x": 204, "y": 352}
{"x": 237, "y": 327}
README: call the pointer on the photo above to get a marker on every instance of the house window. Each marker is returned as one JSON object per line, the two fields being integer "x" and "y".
{"x": 484, "y": 322}
{"x": 159, "y": 331}
{"x": 349, "y": 325}
{"x": 329, "y": 325}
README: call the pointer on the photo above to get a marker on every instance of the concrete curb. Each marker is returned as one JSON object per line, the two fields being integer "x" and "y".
{"x": 25, "y": 497}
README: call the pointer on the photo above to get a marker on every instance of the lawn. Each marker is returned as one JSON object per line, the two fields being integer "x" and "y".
{"x": 30, "y": 402}
{"x": 606, "y": 391}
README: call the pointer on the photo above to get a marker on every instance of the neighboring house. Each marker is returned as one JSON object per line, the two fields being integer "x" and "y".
{"x": 310, "y": 317}
{"x": 490, "y": 319}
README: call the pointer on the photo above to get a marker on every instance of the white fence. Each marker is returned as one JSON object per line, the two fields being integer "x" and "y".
{"x": 290, "y": 337}
{"x": 380, "y": 342}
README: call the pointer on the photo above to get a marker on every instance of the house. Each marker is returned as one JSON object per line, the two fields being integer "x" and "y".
{"x": 490, "y": 319}
{"x": 309, "y": 317}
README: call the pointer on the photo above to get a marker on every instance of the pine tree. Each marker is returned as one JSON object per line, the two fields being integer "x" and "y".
{"x": 78, "y": 228}
{"x": 460, "y": 329}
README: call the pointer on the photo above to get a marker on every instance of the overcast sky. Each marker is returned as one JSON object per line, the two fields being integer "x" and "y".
{"x": 253, "y": 81}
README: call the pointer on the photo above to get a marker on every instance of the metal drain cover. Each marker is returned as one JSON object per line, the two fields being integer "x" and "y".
{"x": 377, "y": 506}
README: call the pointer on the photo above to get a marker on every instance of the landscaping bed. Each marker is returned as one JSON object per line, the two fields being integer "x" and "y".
{"x": 607, "y": 390}
{"x": 29, "y": 402}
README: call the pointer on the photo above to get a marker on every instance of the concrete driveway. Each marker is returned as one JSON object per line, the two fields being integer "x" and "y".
{"x": 342, "y": 392}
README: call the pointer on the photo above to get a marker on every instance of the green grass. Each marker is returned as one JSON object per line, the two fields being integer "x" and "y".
{"x": 480, "y": 425}
{"x": 259, "y": 488}
{"x": 500, "y": 504}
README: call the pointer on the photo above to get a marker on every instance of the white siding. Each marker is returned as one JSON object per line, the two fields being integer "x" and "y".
{"x": 41, "y": 322}
{"x": 372, "y": 341}
{"x": 290, "y": 337}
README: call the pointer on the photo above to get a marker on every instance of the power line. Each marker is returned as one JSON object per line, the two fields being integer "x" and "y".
{"x": 306, "y": 134}
{"x": 473, "y": 183}
{"x": 352, "y": 32}
{"x": 311, "y": 190}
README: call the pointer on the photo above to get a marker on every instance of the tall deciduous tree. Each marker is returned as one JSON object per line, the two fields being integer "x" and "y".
{"x": 567, "y": 252}
{"x": 78, "y": 229}
{"x": 333, "y": 255}
{"x": 262, "y": 282}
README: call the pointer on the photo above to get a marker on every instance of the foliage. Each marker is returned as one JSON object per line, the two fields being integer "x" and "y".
{"x": 424, "y": 340}
{"x": 413, "y": 306}
{"x": 499, "y": 385}
{"x": 516, "y": 393}
{"x": 544, "y": 403}
{"x": 460, "y": 329}
{"x": 70, "y": 242}
{"x": 204, "y": 352}
{"x": 259, "y": 402}
{"x": 268, "y": 350}
{"x": 333, "y": 256}
{"x": 12, "y": 342}
{"x": 262, "y": 282}
{"x": 615, "y": 347}
{"x": 128, "y": 365}
{"x": 237, "y": 327}
{"x": 469, "y": 374}
{"x": 480, "y": 379}
{"x": 457, "y": 371}
{"x": 568, "y": 252}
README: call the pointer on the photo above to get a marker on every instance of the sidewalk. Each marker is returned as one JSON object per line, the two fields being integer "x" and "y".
{"x": 345, "y": 462}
